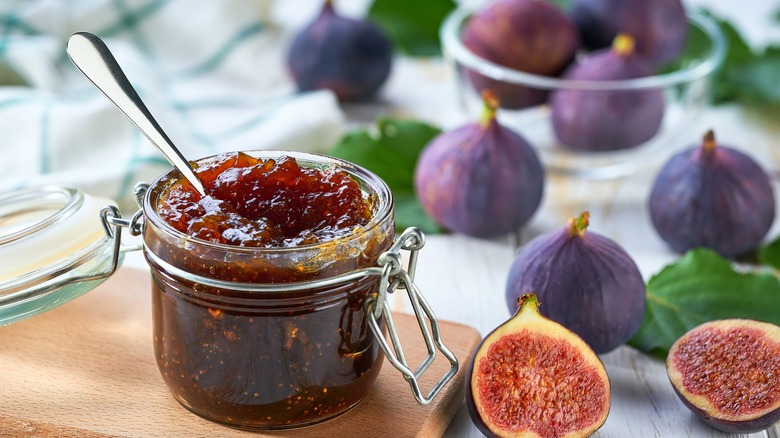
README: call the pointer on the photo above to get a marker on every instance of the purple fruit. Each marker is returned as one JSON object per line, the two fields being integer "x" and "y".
{"x": 533, "y": 36}
{"x": 659, "y": 27}
{"x": 712, "y": 196}
{"x": 727, "y": 373}
{"x": 607, "y": 120}
{"x": 584, "y": 281}
{"x": 481, "y": 179}
{"x": 532, "y": 377}
{"x": 350, "y": 57}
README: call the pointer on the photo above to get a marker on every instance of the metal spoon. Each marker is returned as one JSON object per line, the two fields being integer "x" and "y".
{"x": 90, "y": 54}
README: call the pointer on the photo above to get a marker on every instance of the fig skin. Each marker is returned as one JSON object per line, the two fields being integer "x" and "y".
{"x": 481, "y": 179}
{"x": 659, "y": 27}
{"x": 532, "y": 36}
{"x": 528, "y": 322}
{"x": 754, "y": 350}
{"x": 351, "y": 57}
{"x": 584, "y": 281}
{"x": 712, "y": 196}
{"x": 607, "y": 120}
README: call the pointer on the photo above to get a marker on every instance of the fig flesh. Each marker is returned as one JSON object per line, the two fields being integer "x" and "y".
{"x": 481, "y": 179}
{"x": 728, "y": 373}
{"x": 584, "y": 281}
{"x": 712, "y": 196}
{"x": 533, "y": 377}
{"x": 532, "y": 36}
{"x": 659, "y": 27}
{"x": 351, "y": 57}
{"x": 607, "y": 120}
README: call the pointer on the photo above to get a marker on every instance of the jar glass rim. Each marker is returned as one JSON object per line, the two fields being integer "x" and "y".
{"x": 363, "y": 176}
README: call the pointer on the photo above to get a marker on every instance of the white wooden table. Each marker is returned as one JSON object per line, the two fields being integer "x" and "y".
{"x": 464, "y": 278}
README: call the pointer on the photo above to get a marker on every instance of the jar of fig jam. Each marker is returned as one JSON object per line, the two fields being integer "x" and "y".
{"x": 269, "y": 291}
{"x": 260, "y": 327}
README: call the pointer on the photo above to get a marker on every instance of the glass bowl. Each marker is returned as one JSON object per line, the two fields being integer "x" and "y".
{"x": 685, "y": 88}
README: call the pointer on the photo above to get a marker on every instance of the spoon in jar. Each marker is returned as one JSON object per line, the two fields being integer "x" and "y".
{"x": 90, "y": 54}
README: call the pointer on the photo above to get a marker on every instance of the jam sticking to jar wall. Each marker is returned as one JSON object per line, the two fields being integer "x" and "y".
{"x": 266, "y": 359}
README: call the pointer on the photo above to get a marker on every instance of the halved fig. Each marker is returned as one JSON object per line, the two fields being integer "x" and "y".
{"x": 728, "y": 373}
{"x": 532, "y": 377}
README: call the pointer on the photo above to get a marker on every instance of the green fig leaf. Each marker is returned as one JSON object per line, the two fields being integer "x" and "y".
{"x": 412, "y": 25}
{"x": 748, "y": 75}
{"x": 391, "y": 152}
{"x": 770, "y": 254}
{"x": 699, "y": 287}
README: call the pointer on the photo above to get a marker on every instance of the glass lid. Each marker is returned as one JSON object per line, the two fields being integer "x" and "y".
{"x": 53, "y": 248}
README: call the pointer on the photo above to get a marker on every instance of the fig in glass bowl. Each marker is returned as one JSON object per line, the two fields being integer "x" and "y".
{"x": 658, "y": 26}
{"x": 534, "y": 36}
{"x": 597, "y": 120}
{"x": 685, "y": 87}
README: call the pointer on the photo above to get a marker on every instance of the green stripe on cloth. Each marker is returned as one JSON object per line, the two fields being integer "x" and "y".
{"x": 131, "y": 20}
{"x": 211, "y": 63}
{"x": 14, "y": 101}
{"x": 11, "y": 22}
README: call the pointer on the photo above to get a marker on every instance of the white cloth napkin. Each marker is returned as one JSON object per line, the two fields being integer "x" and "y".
{"x": 211, "y": 72}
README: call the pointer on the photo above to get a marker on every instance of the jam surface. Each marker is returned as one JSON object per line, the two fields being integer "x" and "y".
{"x": 265, "y": 360}
{"x": 266, "y": 203}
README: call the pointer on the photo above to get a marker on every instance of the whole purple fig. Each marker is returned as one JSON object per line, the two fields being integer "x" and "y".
{"x": 480, "y": 179}
{"x": 533, "y": 36}
{"x": 607, "y": 120}
{"x": 351, "y": 57}
{"x": 584, "y": 281}
{"x": 659, "y": 27}
{"x": 712, "y": 196}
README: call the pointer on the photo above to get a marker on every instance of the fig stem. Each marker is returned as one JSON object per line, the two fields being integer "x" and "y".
{"x": 578, "y": 225}
{"x": 708, "y": 143}
{"x": 623, "y": 44}
{"x": 490, "y": 105}
{"x": 527, "y": 299}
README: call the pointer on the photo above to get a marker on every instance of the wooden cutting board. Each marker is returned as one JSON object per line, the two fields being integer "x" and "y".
{"x": 87, "y": 369}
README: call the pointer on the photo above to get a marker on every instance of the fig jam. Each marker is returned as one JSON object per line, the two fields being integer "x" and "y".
{"x": 264, "y": 358}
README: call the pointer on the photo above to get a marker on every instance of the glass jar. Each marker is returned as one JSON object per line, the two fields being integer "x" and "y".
{"x": 238, "y": 352}
{"x": 53, "y": 249}
{"x": 254, "y": 338}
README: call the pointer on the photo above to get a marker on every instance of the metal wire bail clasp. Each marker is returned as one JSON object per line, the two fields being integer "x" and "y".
{"x": 113, "y": 223}
{"x": 395, "y": 277}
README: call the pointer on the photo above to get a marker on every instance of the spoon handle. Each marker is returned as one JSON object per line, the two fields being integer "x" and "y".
{"x": 90, "y": 54}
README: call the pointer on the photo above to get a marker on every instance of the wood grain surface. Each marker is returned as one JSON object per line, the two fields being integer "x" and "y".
{"x": 87, "y": 369}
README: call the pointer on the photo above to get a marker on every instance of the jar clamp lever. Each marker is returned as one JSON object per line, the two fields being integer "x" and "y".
{"x": 393, "y": 277}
